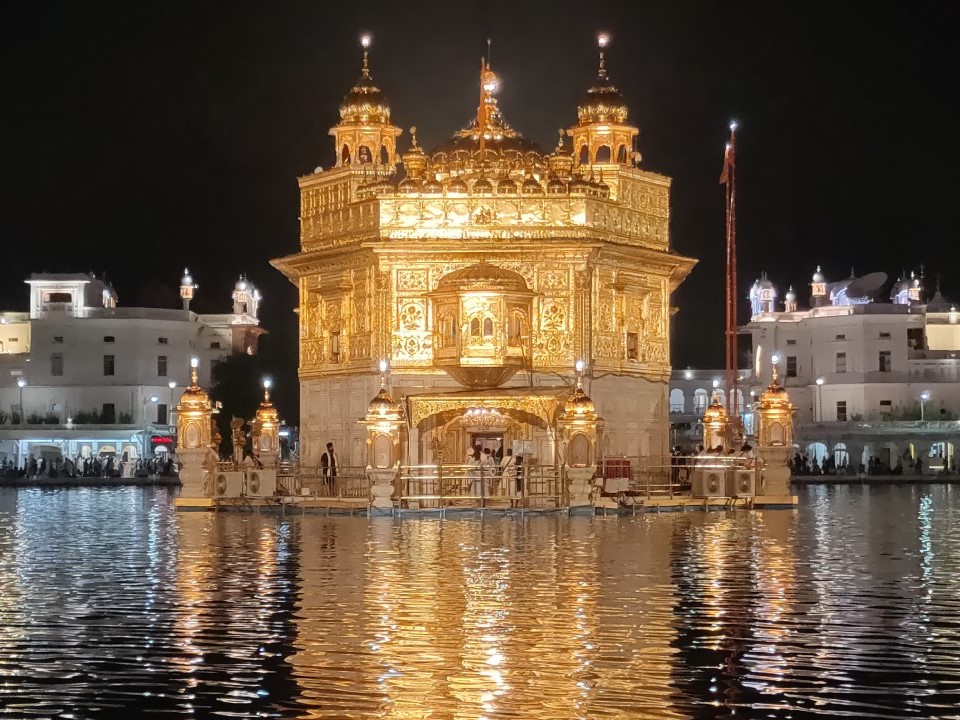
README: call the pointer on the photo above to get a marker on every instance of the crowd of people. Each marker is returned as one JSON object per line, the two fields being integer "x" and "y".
{"x": 89, "y": 467}
{"x": 802, "y": 464}
{"x": 494, "y": 472}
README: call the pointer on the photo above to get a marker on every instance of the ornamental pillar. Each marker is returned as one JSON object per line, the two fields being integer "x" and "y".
{"x": 715, "y": 424}
{"x": 194, "y": 450}
{"x": 383, "y": 422}
{"x": 578, "y": 430}
{"x": 775, "y": 437}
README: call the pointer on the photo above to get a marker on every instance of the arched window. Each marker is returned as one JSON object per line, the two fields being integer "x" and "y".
{"x": 488, "y": 328}
{"x": 676, "y": 400}
{"x": 603, "y": 154}
{"x": 363, "y": 155}
{"x": 700, "y": 400}
{"x": 384, "y": 155}
{"x": 345, "y": 155}
{"x": 622, "y": 155}
{"x": 475, "y": 327}
{"x": 584, "y": 155}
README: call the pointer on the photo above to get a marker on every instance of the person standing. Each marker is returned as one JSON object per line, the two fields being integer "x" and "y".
{"x": 330, "y": 463}
{"x": 508, "y": 473}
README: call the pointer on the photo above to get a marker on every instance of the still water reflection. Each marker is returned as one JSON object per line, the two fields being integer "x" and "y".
{"x": 848, "y": 607}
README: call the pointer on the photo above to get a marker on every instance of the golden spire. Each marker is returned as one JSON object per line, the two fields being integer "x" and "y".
{"x": 602, "y": 40}
{"x": 487, "y": 107}
{"x": 365, "y": 44}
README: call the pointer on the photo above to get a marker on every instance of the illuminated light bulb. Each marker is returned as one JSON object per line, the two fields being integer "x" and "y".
{"x": 383, "y": 366}
{"x": 820, "y": 381}
{"x": 365, "y": 40}
{"x": 716, "y": 383}
{"x": 603, "y": 40}
{"x": 153, "y": 398}
{"x": 194, "y": 362}
{"x": 734, "y": 125}
{"x": 172, "y": 384}
{"x": 775, "y": 359}
{"x": 579, "y": 365}
{"x": 267, "y": 383}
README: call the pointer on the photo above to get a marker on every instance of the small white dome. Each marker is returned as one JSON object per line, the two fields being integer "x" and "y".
{"x": 187, "y": 278}
{"x": 818, "y": 276}
{"x": 791, "y": 296}
{"x": 241, "y": 284}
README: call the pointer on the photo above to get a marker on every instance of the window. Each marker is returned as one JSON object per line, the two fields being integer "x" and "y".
{"x": 840, "y": 337}
{"x": 109, "y": 414}
{"x": 57, "y": 297}
{"x": 841, "y": 410}
{"x": 161, "y": 341}
{"x": 841, "y": 362}
{"x": 214, "y": 346}
{"x": 791, "y": 365}
{"x": 335, "y": 346}
{"x": 108, "y": 365}
{"x": 58, "y": 339}
{"x": 886, "y": 364}
{"x": 162, "y": 414}
{"x": 10, "y": 339}
{"x": 792, "y": 341}
{"x": 109, "y": 338}
{"x": 915, "y": 338}
{"x": 161, "y": 365}
{"x": 56, "y": 364}
{"x": 886, "y": 408}
{"x": 488, "y": 328}
{"x": 633, "y": 349}
{"x": 884, "y": 336}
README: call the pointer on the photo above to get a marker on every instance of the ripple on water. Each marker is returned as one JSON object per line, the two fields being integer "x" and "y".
{"x": 848, "y": 607}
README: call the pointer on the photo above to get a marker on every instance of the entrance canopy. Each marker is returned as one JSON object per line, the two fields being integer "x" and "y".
{"x": 536, "y": 406}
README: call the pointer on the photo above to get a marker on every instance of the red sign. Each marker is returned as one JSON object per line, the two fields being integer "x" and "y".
{"x": 161, "y": 440}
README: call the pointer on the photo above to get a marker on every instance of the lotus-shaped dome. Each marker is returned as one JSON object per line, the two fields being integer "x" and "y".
{"x": 579, "y": 406}
{"x": 383, "y": 406}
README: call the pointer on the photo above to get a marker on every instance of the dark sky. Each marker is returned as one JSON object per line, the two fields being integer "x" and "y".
{"x": 139, "y": 137}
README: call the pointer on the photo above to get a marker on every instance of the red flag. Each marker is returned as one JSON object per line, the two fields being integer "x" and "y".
{"x": 727, "y": 165}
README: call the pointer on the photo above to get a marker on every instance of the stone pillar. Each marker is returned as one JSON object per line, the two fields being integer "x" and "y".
{"x": 578, "y": 429}
{"x": 383, "y": 422}
{"x": 194, "y": 413}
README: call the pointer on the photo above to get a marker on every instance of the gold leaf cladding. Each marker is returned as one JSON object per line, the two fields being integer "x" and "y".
{"x": 543, "y": 407}
{"x": 411, "y": 281}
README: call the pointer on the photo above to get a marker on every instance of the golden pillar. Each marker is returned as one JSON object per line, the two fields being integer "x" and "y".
{"x": 578, "y": 427}
{"x": 715, "y": 423}
{"x": 775, "y": 436}
{"x": 194, "y": 413}
{"x": 265, "y": 430}
{"x": 383, "y": 422}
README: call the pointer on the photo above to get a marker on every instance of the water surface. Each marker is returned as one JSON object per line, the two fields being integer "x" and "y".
{"x": 848, "y": 607}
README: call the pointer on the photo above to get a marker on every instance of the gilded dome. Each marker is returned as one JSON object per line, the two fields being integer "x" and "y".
{"x": 408, "y": 186}
{"x": 482, "y": 186}
{"x": 457, "y": 185}
{"x": 506, "y": 186}
{"x": 579, "y": 406}
{"x": 715, "y": 413}
{"x": 483, "y": 276}
{"x": 531, "y": 186}
{"x": 603, "y": 103}
{"x": 383, "y": 406}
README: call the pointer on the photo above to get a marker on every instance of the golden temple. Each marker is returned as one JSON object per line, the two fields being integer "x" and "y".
{"x": 482, "y": 271}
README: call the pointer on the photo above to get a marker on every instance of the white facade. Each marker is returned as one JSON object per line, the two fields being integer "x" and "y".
{"x": 76, "y": 368}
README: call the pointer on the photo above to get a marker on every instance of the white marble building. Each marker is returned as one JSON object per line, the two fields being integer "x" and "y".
{"x": 81, "y": 375}
{"x": 858, "y": 363}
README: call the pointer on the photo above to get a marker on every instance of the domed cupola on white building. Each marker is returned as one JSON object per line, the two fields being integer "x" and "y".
{"x": 790, "y": 301}
{"x": 900, "y": 292}
{"x": 763, "y": 296}
{"x": 818, "y": 289}
{"x": 246, "y": 297}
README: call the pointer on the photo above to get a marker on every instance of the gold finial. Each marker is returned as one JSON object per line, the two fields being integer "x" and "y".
{"x": 775, "y": 362}
{"x": 365, "y": 44}
{"x": 267, "y": 383}
{"x": 194, "y": 374}
{"x": 485, "y": 111}
{"x": 383, "y": 374}
{"x": 563, "y": 134}
{"x": 413, "y": 138}
{"x": 602, "y": 40}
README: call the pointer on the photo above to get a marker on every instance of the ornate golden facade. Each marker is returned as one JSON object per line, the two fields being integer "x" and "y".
{"x": 482, "y": 271}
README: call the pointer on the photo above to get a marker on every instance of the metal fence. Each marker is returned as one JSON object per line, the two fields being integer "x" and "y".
{"x": 667, "y": 476}
{"x": 429, "y": 486}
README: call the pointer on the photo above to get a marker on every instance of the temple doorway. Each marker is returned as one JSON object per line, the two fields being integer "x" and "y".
{"x": 488, "y": 440}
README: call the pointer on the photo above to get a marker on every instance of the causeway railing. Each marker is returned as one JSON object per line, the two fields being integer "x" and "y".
{"x": 443, "y": 485}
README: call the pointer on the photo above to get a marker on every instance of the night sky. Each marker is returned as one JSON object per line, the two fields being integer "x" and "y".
{"x": 137, "y": 138}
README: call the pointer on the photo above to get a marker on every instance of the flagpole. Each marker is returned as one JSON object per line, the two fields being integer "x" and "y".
{"x": 731, "y": 370}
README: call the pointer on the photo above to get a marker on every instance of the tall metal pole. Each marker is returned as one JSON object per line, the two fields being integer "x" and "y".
{"x": 729, "y": 176}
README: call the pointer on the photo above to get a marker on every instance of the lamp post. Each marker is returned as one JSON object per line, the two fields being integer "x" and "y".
{"x": 21, "y": 383}
{"x": 172, "y": 384}
{"x": 146, "y": 424}
{"x": 820, "y": 382}
{"x": 924, "y": 396}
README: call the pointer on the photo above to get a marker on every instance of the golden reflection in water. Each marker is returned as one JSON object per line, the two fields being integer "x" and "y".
{"x": 774, "y": 552}
{"x": 193, "y": 586}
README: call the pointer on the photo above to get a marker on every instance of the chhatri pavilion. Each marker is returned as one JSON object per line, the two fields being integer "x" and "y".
{"x": 479, "y": 273}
